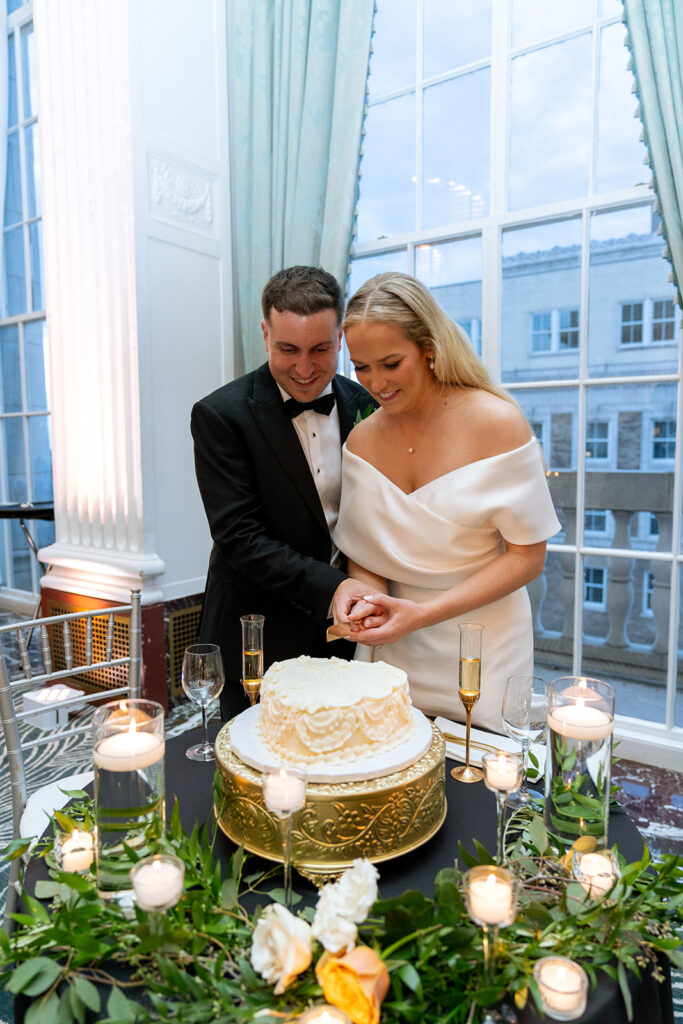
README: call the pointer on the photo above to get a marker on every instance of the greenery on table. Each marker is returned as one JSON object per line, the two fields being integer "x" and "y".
{"x": 192, "y": 964}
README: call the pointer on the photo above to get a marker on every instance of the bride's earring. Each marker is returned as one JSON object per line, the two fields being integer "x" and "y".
{"x": 430, "y": 363}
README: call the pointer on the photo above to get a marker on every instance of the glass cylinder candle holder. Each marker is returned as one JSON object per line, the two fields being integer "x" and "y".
{"x": 597, "y": 871}
{"x": 284, "y": 792}
{"x": 503, "y": 775}
{"x": 563, "y": 986}
{"x": 128, "y": 754}
{"x": 158, "y": 881}
{"x": 74, "y": 851}
{"x": 579, "y": 757}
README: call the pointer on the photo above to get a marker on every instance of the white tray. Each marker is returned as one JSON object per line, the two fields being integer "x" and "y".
{"x": 248, "y": 746}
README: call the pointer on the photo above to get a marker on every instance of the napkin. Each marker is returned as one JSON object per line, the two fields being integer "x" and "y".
{"x": 482, "y": 743}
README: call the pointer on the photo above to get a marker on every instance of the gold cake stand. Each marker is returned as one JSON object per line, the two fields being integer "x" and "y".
{"x": 378, "y": 818}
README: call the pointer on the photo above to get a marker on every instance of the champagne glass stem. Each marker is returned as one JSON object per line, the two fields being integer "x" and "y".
{"x": 468, "y": 718}
{"x": 500, "y": 804}
{"x": 488, "y": 942}
{"x": 205, "y": 725}
{"x": 286, "y": 833}
{"x": 524, "y": 790}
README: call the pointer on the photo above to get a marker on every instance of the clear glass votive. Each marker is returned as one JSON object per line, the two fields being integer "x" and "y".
{"x": 74, "y": 851}
{"x": 324, "y": 1013}
{"x": 563, "y": 985}
{"x": 158, "y": 881}
{"x": 597, "y": 871}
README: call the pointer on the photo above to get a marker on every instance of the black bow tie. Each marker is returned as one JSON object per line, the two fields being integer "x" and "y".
{"x": 322, "y": 404}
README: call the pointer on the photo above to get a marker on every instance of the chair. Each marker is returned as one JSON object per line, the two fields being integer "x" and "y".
{"x": 71, "y": 638}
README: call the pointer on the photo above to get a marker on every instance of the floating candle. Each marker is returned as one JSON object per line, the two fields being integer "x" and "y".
{"x": 596, "y": 872}
{"x": 502, "y": 773}
{"x": 563, "y": 986}
{"x": 284, "y": 791}
{"x": 325, "y": 1014}
{"x": 158, "y": 881}
{"x": 580, "y": 721}
{"x": 128, "y": 750}
{"x": 491, "y": 899}
{"x": 76, "y": 851}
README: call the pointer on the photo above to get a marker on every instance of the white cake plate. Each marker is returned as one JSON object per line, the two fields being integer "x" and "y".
{"x": 247, "y": 744}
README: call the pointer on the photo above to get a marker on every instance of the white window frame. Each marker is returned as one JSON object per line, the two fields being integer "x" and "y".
{"x": 554, "y": 332}
{"x": 607, "y": 441}
{"x": 591, "y": 605}
{"x": 647, "y": 323}
{"x": 648, "y": 581}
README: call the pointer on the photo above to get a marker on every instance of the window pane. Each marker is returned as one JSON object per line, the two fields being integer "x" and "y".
{"x": 15, "y": 280}
{"x": 36, "y": 237}
{"x": 387, "y": 171}
{"x": 14, "y": 5}
{"x": 455, "y": 34}
{"x": 456, "y": 162}
{"x": 32, "y": 139}
{"x": 12, "y": 109}
{"x": 15, "y": 468}
{"x": 12, "y": 213}
{"x": 36, "y": 393}
{"x": 629, "y": 329}
{"x": 533, "y": 20}
{"x": 552, "y": 602}
{"x": 11, "y": 373}
{"x": 550, "y": 123}
{"x": 452, "y": 272}
{"x": 392, "y": 65}
{"x": 365, "y": 267}
{"x": 540, "y": 301}
{"x": 620, "y": 151}
{"x": 610, "y": 9}
{"x": 30, "y": 72}
{"x": 20, "y": 555}
{"x": 41, "y": 457}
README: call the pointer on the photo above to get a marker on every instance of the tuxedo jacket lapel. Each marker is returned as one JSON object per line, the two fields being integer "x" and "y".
{"x": 267, "y": 408}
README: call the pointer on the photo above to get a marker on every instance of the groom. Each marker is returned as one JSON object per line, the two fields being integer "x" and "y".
{"x": 268, "y": 464}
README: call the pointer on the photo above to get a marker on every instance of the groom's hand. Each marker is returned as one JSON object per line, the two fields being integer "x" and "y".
{"x": 393, "y": 617}
{"x": 346, "y": 596}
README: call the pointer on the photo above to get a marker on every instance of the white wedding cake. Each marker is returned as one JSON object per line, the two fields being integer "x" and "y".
{"x": 330, "y": 711}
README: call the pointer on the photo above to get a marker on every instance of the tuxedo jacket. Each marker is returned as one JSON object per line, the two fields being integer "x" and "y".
{"x": 271, "y": 544}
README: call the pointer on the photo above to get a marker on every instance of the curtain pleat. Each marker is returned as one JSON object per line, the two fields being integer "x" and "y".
{"x": 297, "y": 81}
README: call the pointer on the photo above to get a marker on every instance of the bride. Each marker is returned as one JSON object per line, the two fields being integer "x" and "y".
{"x": 445, "y": 509}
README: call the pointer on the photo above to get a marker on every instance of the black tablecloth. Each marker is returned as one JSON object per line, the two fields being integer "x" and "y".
{"x": 471, "y": 814}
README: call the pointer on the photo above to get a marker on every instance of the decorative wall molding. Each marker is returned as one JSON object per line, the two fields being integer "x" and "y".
{"x": 181, "y": 196}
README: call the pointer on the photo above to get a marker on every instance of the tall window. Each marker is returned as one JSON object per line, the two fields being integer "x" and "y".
{"x": 502, "y": 166}
{"x": 25, "y": 452}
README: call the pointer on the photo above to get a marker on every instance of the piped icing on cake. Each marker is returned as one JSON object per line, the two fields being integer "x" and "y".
{"x": 330, "y": 711}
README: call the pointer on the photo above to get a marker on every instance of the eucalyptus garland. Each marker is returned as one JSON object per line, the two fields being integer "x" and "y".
{"x": 72, "y": 953}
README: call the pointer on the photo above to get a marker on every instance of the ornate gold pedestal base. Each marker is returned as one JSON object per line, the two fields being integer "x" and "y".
{"x": 377, "y": 819}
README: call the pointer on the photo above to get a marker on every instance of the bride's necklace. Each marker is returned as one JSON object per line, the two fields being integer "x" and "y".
{"x": 412, "y": 448}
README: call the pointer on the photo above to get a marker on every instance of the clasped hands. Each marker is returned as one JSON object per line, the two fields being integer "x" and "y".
{"x": 374, "y": 618}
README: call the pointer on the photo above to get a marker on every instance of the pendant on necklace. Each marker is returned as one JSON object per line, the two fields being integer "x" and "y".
{"x": 411, "y": 451}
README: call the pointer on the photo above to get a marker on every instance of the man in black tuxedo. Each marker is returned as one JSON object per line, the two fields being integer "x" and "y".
{"x": 269, "y": 471}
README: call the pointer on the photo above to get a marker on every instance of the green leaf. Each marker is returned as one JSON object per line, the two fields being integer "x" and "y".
{"x": 87, "y": 992}
{"x": 538, "y": 833}
{"x": 65, "y": 1013}
{"x": 46, "y": 890}
{"x": 30, "y": 973}
{"x": 121, "y": 1008}
{"x": 66, "y": 823}
{"x": 411, "y": 978}
{"x": 229, "y": 893}
{"x": 625, "y": 990}
{"x": 44, "y": 1011}
{"x": 76, "y": 1003}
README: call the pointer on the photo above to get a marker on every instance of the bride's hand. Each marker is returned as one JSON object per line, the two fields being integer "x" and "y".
{"x": 365, "y": 615}
{"x": 399, "y": 617}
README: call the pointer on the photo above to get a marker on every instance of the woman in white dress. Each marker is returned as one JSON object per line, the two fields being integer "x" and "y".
{"x": 445, "y": 509}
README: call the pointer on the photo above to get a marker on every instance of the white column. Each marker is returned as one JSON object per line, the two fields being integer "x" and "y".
{"x": 135, "y": 186}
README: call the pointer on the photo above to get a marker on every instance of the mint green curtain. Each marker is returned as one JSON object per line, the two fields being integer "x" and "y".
{"x": 655, "y": 38}
{"x": 297, "y": 80}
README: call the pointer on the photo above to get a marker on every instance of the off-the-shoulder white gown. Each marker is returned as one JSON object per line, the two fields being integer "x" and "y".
{"x": 433, "y": 538}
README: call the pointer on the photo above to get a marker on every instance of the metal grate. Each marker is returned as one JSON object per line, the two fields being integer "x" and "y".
{"x": 183, "y": 629}
{"x": 101, "y": 679}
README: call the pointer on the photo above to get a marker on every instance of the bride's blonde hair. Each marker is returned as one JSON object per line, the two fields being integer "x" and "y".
{"x": 402, "y": 300}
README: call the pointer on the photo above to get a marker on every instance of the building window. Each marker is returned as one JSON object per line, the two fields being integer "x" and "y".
{"x": 594, "y": 521}
{"x": 663, "y": 320}
{"x": 648, "y": 587}
{"x": 597, "y": 439}
{"x": 631, "y": 323}
{"x": 594, "y": 586}
{"x": 664, "y": 439}
{"x": 654, "y": 525}
{"x": 555, "y": 330}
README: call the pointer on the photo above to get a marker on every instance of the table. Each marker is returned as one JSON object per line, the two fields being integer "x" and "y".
{"x": 471, "y": 814}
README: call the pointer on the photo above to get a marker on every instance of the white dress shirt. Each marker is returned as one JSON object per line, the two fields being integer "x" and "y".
{"x": 320, "y": 440}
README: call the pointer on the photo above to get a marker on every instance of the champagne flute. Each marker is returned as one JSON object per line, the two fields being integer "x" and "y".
{"x": 469, "y": 688}
{"x": 525, "y": 716}
{"x": 202, "y": 679}
{"x": 252, "y": 655}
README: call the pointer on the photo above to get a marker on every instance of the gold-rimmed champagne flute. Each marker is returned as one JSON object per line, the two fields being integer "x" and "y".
{"x": 252, "y": 655}
{"x": 469, "y": 689}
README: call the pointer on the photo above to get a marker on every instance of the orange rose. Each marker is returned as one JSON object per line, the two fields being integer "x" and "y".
{"x": 356, "y": 982}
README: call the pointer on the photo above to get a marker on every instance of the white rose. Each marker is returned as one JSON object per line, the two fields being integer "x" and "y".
{"x": 280, "y": 947}
{"x": 356, "y": 891}
{"x": 336, "y": 933}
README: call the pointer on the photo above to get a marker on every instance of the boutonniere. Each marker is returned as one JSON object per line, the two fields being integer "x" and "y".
{"x": 363, "y": 414}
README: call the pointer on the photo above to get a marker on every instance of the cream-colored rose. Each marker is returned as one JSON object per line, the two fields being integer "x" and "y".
{"x": 356, "y": 982}
{"x": 280, "y": 947}
{"x": 356, "y": 891}
{"x": 337, "y": 934}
